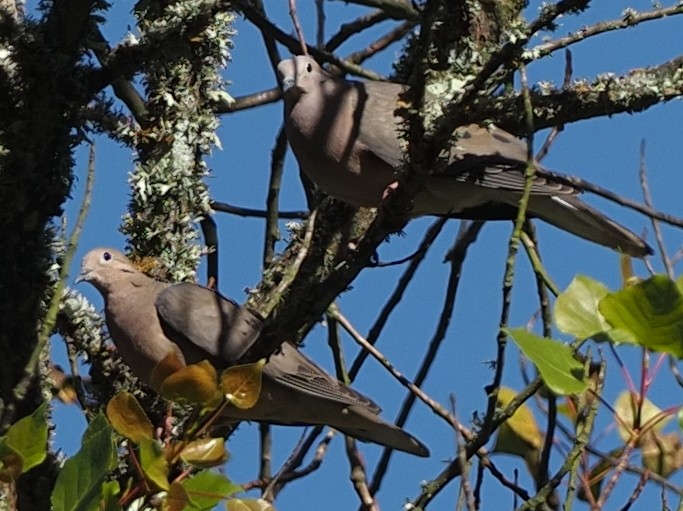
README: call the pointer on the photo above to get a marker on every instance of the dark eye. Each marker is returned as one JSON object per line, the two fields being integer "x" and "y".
{"x": 106, "y": 256}
{"x": 309, "y": 68}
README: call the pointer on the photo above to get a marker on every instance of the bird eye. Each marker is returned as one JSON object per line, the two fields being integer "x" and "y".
{"x": 106, "y": 256}
{"x": 309, "y": 68}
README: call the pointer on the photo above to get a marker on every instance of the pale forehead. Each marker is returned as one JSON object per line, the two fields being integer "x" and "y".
{"x": 97, "y": 253}
{"x": 290, "y": 66}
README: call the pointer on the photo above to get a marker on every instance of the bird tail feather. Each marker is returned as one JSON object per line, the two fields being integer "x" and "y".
{"x": 380, "y": 432}
{"x": 575, "y": 216}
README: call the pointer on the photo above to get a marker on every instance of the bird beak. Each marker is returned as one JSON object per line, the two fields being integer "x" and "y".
{"x": 84, "y": 276}
{"x": 287, "y": 83}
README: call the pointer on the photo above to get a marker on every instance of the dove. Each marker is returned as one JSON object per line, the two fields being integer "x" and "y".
{"x": 345, "y": 136}
{"x": 148, "y": 319}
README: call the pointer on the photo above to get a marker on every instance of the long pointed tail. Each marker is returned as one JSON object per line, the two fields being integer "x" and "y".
{"x": 575, "y": 216}
{"x": 369, "y": 427}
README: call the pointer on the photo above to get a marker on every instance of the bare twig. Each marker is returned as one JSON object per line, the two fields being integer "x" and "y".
{"x": 397, "y": 294}
{"x": 224, "y": 207}
{"x": 555, "y": 131}
{"x": 647, "y": 197}
{"x": 277, "y": 163}
{"x": 250, "y": 101}
{"x": 467, "y": 235}
{"x": 380, "y": 44}
{"x": 358, "y": 476}
{"x": 508, "y": 278}
{"x": 631, "y": 19}
{"x": 356, "y": 26}
{"x": 19, "y": 391}
{"x": 416, "y": 391}
{"x": 297, "y": 26}
{"x": 320, "y": 23}
{"x": 602, "y": 192}
{"x": 210, "y": 232}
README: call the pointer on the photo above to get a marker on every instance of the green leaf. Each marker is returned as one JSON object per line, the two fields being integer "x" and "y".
{"x": 576, "y": 309}
{"x": 110, "y": 496}
{"x": 560, "y": 370}
{"x": 79, "y": 483}
{"x": 651, "y": 311}
{"x": 207, "y": 489}
{"x": 153, "y": 463}
{"x": 24, "y": 446}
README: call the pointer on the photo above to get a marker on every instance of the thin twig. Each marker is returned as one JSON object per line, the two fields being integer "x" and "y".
{"x": 380, "y": 44}
{"x": 358, "y": 476}
{"x": 465, "y": 485}
{"x": 277, "y": 163}
{"x": 647, "y": 197}
{"x": 436, "y": 407}
{"x": 466, "y": 236}
{"x": 602, "y": 192}
{"x": 249, "y": 101}
{"x": 50, "y": 319}
{"x": 320, "y": 23}
{"x": 303, "y": 251}
{"x": 630, "y": 20}
{"x": 210, "y": 232}
{"x": 297, "y": 26}
{"x": 397, "y": 294}
{"x": 354, "y": 27}
{"x": 552, "y": 136}
{"x": 508, "y": 278}
{"x": 224, "y": 207}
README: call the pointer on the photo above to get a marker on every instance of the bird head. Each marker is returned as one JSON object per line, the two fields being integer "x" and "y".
{"x": 299, "y": 74}
{"x": 100, "y": 265}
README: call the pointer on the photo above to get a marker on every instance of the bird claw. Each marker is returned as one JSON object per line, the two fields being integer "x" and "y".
{"x": 389, "y": 190}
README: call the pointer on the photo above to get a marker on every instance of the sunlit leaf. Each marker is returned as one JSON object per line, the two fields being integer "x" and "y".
{"x": 652, "y": 311}
{"x": 128, "y": 418}
{"x": 195, "y": 383}
{"x": 576, "y": 309}
{"x": 79, "y": 482}
{"x": 205, "y": 452}
{"x": 555, "y": 361}
{"x": 172, "y": 362}
{"x": 651, "y": 417}
{"x": 520, "y": 432}
{"x": 242, "y": 384}
{"x": 153, "y": 463}
{"x": 663, "y": 454}
{"x": 249, "y": 505}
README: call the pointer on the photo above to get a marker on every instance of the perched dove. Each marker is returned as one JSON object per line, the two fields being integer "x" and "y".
{"x": 148, "y": 319}
{"x": 345, "y": 136}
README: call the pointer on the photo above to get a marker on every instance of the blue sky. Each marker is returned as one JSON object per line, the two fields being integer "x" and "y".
{"x": 605, "y": 151}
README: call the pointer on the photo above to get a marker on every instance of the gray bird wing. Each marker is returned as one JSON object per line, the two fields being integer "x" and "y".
{"x": 224, "y": 330}
{"x": 293, "y": 369}
{"x": 217, "y": 325}
{"x": 379, "y": 129}
{"x": 501, "y": 177}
